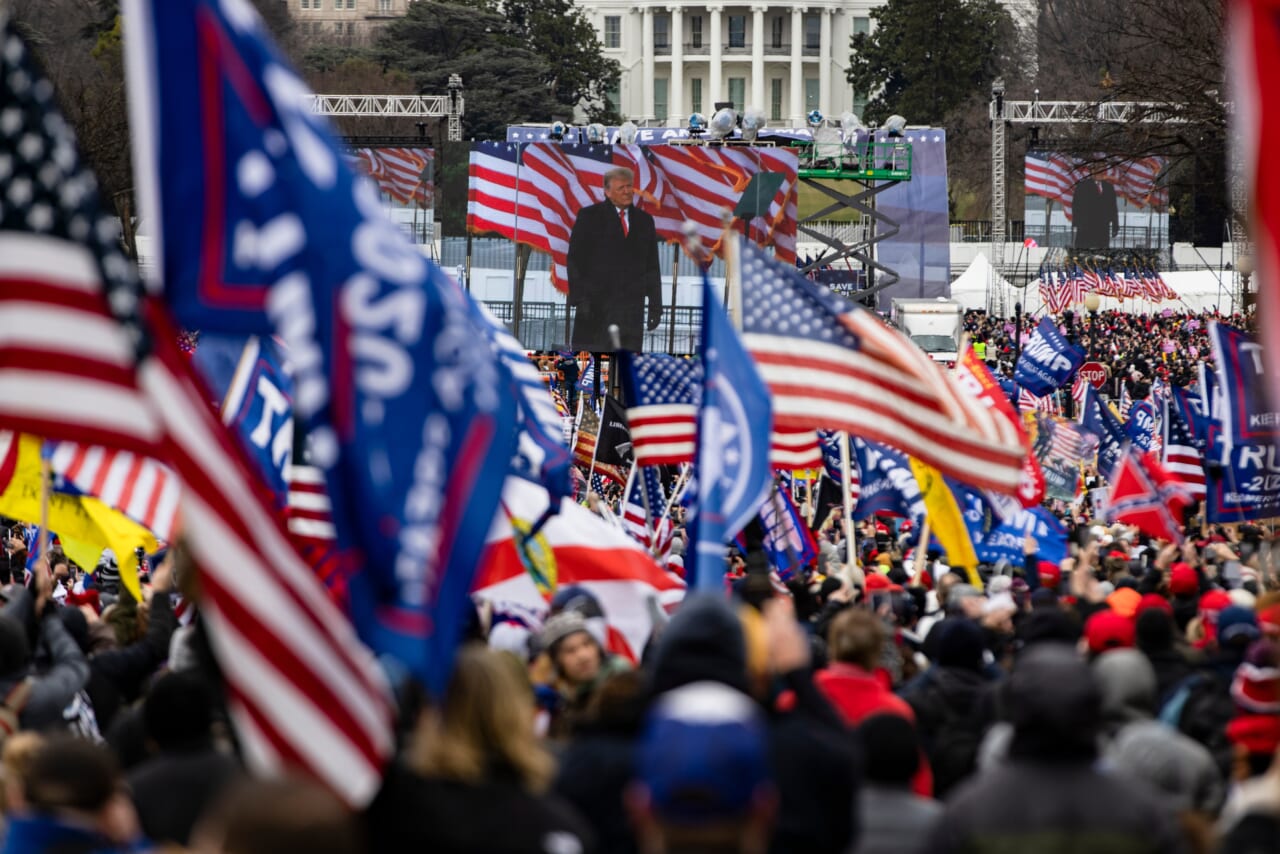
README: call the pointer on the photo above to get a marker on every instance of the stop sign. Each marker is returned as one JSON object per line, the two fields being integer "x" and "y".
{"x": 1094, "y": 373}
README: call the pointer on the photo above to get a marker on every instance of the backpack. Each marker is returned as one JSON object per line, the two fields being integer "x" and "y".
{"x": 11, "y": 709}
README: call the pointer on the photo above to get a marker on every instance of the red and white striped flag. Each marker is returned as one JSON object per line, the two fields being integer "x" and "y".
{"x": 404, "y": 174}
{"x": 831, "y": 365}
{"x": 1178, "y": 453}
{"x": 303, "y": 692}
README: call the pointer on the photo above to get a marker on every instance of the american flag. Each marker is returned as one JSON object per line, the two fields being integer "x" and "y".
{"x": 1066, "y": 440}
{"x": 584, "y": 450}
{"x": 1054, "y": 176}
{"x": 1051, "y": 176}
{"x": 666, "y": 392}
{"x": 831, "y": 365}
{"x": 1178, "y": 453}
{"x": 1028, "y": 402}
{"x": 139, "y": 487}
{"x": 404, "y": 174}
{"x": 302, "y": 690}
{"x": 638, "y": 522}
{"x": 1054, "y": 294}
{"x": 532, "y": 192}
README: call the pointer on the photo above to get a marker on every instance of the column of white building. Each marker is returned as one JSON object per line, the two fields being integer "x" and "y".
{"x": 788, "y": 43}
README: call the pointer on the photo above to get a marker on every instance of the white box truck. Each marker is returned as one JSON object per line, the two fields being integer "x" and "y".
{"x": 935, "y": 325}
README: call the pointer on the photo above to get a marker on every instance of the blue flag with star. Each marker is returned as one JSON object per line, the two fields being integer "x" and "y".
{"x": 734, "y": 421}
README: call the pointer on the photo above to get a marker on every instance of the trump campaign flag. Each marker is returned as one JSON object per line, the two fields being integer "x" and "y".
{"x": 259, "y": 409}
{"x": 1141, "y": 426}
{"x": 1099, "y": 420}
{"x": 734, "y": 420}
{"x": 1242, "y": 455}
{"x": 1047, "y": 361}
{"x": 300, "y": 687}
{"x": 261, "y": 226}
{"x": 887, "y": 485}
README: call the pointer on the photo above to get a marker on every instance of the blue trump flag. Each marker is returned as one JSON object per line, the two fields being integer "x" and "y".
{"x": 887, "y": 484}
{"x": 1141, "y": 426}
{"x": 1101, "y": 422}
{"x": 259, "y": 410}
{"x": 1047, "y": 360}
{"x": 1004, "y": 542}
{"x": 1242, "y": 459}
{"x": 732, "y": 457}
{"x": 261, "y": 227}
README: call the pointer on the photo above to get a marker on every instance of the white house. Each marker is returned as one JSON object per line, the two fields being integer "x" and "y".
{"x": 681, "y": 56}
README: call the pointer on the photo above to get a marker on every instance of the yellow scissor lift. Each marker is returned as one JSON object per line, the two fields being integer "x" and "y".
{"x": 871, "y": 167}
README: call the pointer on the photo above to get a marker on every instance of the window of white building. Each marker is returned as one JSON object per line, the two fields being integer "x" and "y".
{"x": 775, "y": 34}
{"x": 775, "y": 100}
{"x": 695, "y": 93}
{"x": 662, "y": 31}
{"x": 384, "y": 6}
{"x": 613, "y": 31}
{"x": 812, "y": 32}
{"x": 737, "y": 31}
{"x": 861, "y": 25}
{"x": 661, "y": 87}
{"x": 695, "y": 31}
{"x": 738, "y": 92}
{"x": 306, "y": 4}
{"x": 811, "y": 94}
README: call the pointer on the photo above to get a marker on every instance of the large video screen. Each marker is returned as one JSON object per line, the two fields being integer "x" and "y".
{"x": 406, "y": 179}
{"x": 601, "y": 211}
{"x": 1096, "y": 203}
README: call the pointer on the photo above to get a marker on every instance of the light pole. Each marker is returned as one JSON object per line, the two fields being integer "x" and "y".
{"x": 1244, "y": 266}
{"x": 1091, "y": 303}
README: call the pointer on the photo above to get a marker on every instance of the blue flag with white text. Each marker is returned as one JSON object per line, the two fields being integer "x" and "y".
{"x": 263, "y": 228}
{"x": 1242, "y": 460}
{"x": 1099, "y": 420}
{"x": 1141, "y": 426}
{"x": 258, "y": 408}
{"x": 732, "y": 457}
{"x": 888, "y": 486}
{"x": 1047, "y": 360}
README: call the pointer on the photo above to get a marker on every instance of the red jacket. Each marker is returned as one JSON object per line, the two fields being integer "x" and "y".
{"x": 858, "y": 695}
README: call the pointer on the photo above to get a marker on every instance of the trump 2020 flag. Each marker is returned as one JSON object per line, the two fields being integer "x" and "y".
{"x": 259, "y": 409}
{"x": 1047, "y": 360}
{"x": 1100, "y": 421}
{"x": 734, "y": 422}
{"x": 261, "y": 227}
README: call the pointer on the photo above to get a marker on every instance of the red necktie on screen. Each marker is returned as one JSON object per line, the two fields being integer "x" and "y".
{"x": 622, "y": 218}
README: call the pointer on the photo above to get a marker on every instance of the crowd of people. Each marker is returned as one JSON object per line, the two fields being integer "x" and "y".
{"x": 1126, "y": 698}
{"x": 1136, "y": 349}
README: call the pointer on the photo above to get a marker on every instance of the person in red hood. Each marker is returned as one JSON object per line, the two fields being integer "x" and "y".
{"x": 1254, "y": 732}
{"x": 857, "y": 686}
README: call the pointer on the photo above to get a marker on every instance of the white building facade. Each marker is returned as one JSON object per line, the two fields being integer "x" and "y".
{"x": 682, "y": 56}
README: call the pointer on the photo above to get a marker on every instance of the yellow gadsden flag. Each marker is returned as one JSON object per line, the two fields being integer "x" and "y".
{"x": 84, "y": 525}
{"x": 946, "y": 520}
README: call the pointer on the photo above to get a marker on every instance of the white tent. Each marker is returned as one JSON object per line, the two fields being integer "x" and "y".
{"x": 973, "y": 285}
{"x": 1197, "y": 290}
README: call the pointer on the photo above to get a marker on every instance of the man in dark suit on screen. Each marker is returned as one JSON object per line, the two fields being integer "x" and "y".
{"x": 613, "y": 269}
{"x": 1094, "y": 208}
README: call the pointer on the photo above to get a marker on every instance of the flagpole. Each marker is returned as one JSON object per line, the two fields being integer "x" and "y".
{"x": 921, "y": 558}
{"x": 46, "y": 478}
{"x": 851, "y": 551}
{"x": 678, "y": 489}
